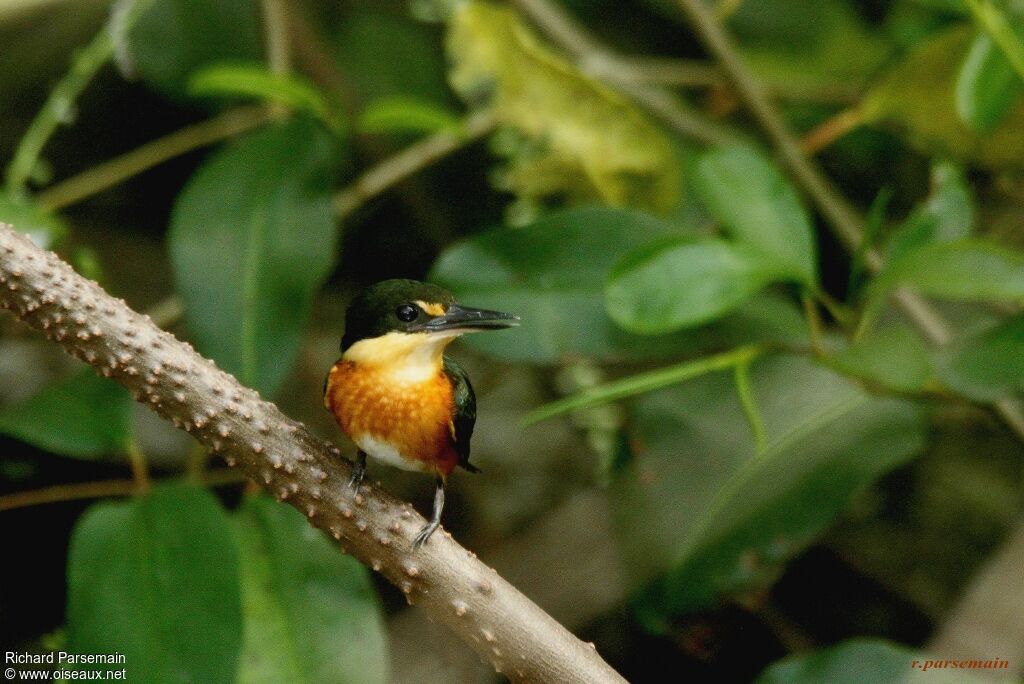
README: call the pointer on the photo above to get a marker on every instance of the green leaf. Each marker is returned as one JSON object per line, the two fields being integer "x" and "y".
{"x": 84, "y": 416}
{"x": 946, "y": 215}
{"x": 552, "y": 273}
{"x": 965, "y": 269}
{"x": 405, "y": 115}
{"x": 915, "y": 98}
{"x": 820, "y": 47}
{"x": 868, "y": 660}
{"x": 873, "y": 223}
{"x": 759, "y": 208}
{"x": 388, "y": 54}
{"x": 175, "y": 38}
{"x": 969, "y": 270}
{"x": 895, "y": 357}
{"x": 703, "y": 511}
{"x": 676, "y": 283}
{"x": 255, "y": 80}
{"x": 311, "y": 613}
{"x": 583, "y": 142}
{"x": 156, "y": 578}
{"x": 45, "y": 229}
{"x": 988, "y": 366}
{"x": 252, "y": 238}
{"x": 987, "y": 87}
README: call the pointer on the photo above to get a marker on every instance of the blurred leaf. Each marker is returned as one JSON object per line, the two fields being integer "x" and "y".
{"x": 586, "y": 142}
{"x": 45, "y": 228}
{"x": 87, "y": 262}
{"x": 865, "y": 660}
{"x": 84, "y": 416}
{"x": 552, "y": 273}
{"x": 175, "y": 38}
{"x": 701, "y": 510}
{"x": 388, "y": 54}
{"x": 255, "y": 80}
{"x": 311, "y": 613}
{"x": 405, "y": 115}
{"x": 945, "y": 216}
{"x": 895, "y": 357}
{"x": 759, "y": 208}
{"x": 252, "y": 238}
{"x": 873, "y": 223}
{"x": 916, "y": 97}
{"x": 989, "y": 366}
{"x": 156, "y": 578}
{"x": 987, "y": 86}
{"x": 814, "y": 46}
{"x": 676, "y": 283}
{"x": 969, "y": 270}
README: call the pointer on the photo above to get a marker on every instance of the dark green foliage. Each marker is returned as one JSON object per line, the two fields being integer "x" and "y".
{"x": 84, "y": 416}
{"x": 156, "y": 579}
{"x": 725, "y": 518}
{"x": 173, "y": 39}
{"x": 311, "y": 614}
{"x": 252, "y": 239}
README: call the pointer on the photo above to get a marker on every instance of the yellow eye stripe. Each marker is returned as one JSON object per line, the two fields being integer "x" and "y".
{"x": 430, "y": 307}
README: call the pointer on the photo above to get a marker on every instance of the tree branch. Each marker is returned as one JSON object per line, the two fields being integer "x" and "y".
{"x": 116, "y": 170}
{"x": 413, "y": 158}
{"x": 504, "y": 627}
{"x": 100, "y": 489}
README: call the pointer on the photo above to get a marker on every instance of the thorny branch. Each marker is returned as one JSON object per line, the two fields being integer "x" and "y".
{"x": 504, "y": 627}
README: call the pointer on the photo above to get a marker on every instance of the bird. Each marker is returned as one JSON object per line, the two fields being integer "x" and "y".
{"x": 394, "y": 391}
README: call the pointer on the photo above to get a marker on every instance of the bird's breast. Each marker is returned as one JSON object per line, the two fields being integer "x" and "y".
{"x": 403, "y": 423}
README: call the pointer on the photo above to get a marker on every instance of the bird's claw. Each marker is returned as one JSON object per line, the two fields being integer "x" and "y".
{"x": 358, "y": 472}
{"x": 423, "y": 535}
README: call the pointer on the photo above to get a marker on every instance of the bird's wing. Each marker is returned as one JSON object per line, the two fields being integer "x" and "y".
{"x": 464, "y": 414}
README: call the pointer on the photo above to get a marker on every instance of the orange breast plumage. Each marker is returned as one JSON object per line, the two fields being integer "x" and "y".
{"x": 407, "y": 424}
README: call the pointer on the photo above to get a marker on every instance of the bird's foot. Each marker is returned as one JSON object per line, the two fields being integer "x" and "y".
{"x": 358, "y": 472}
{"x": 424, "y": 534}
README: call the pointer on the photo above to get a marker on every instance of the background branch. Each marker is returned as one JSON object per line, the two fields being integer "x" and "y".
{"x": 504, "y": 627}
{"x": 413, "y": 158}
{"x": 116, "y": 170}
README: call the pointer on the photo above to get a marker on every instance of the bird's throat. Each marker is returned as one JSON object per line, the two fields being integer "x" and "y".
{"x": 401, "y": 357}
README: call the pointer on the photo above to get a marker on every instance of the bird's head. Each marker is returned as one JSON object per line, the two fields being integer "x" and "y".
{"x": 397, "y": 318}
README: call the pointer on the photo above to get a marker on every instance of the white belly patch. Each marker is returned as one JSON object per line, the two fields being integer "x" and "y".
{"x": 385, "y": 453}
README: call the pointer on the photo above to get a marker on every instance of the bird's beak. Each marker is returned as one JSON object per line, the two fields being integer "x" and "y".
{"x": 464, "y": 319}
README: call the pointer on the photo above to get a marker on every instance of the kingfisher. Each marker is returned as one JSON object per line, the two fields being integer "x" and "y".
{"x": 394, "y": 391}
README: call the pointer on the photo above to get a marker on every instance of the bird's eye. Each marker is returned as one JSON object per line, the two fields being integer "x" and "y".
{"x": 407, "y": 313}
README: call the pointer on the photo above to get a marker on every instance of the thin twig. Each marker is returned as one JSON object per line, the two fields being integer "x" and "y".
{"x": 119, "y": 169}
{"x": 59, "y": 107}
{"x": 694, "y": 73}
{"x": 831, "y": 204}
{"x": 102, "y": 489}
{"x": 139, "y": 465}
{"x": 504, "y": 627}
{"x": 275, "y": 33}
{"x": 841, "y": 217}
{"x": 416, "y": 157}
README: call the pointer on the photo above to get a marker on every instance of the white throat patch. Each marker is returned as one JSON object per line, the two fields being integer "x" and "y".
{"x": 406, "y": 357}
